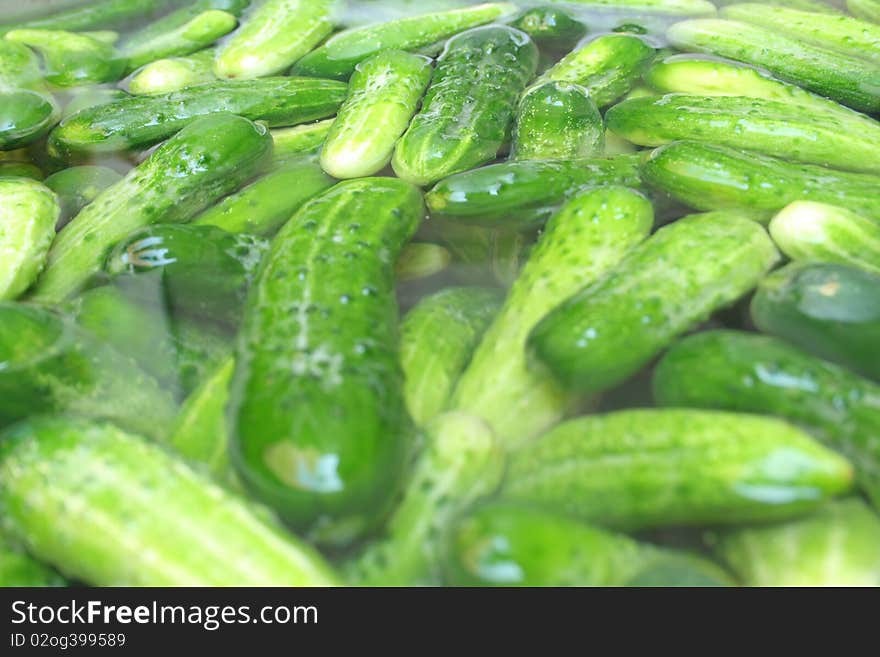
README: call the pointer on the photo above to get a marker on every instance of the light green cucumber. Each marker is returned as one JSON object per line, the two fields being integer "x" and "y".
{"x": 420, "y": 260}
{"x": 25, "y": 117}
{"x": 76, "y": 187}
{"x": 667, "y": 7}
{"x": 97, "y": 14}
{"x": 20, "y": 170}
{"x": 164, "y": 76}
{"x": 19, "y": 67}
{"x": 158, "y": 29}
{"x": 868, "y": 10}
{"x": 17, "y": 568}
{"x": 92, "y": 96}
{"x": 299, "y": 141}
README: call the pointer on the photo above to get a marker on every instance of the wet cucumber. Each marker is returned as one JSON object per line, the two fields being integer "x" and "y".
{"x": 20, "y": 170}
{"x": 72, "y": 59}
{"x": 610, "y": 330}
{"x": 20, "y": 67}
{"x": 18, "y": 568}
{"x": 299, "y": 141}
{"x": 93, "y": 15}
{"x": 25, "y": 117}
{"x": 466, "y": 113}
{"x": 551, "y": 28}
{"x": 420, "y": 260}
{"x": 91, "y": 96}
{"x": 165, "y": 76}
{"x": 636, "y": 469}
{"x": 318, "y": 420}
{"x": 868, "y": 10}
{"x": 76, "y": 187}
{"x": 28, "y": 214}
{"x": 663, "y": 7}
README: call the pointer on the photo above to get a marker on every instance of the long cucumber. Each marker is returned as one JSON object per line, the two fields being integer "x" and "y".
{"x": 158, "y": 29}
{"x": 72, "y": 59}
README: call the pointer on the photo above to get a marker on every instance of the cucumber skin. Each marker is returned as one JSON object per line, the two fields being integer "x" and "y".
{"x": 117, "y": 511}
{"x": 637, "y": 469}
{"x": 172, "y": 74}
{"x": 710, "y": 177}
{"x": 829, "y": 310}
{"x": 469, "y": 104}
{"x": 20, "y": 569}
{"x": 302, "y": 141}
{"x": 99, "y": 14}
{"x": 608, "y": 331}
{"x": 868, "y": 10}
{"x": 761, "y": 374}
{"x": 76, "y": 187}
{"x": 141, "y": 121}
{"x": 25, "y": 117}
{"x": 170, "y": 22}
{"x": 551, "y": 28}
{"x": 20, "y": 67}
{"x": 334, "y": 469}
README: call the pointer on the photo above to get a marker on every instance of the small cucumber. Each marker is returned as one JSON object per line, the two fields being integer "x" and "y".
{"x": 420, "y": 260}
{"x": 165, "y": 76}
{"x": 637, "y": 469}
{"x": 466, "y": 113}
{"x": 97, "y": 14}
{"x": 20, "y": 170}
{"x": 551, "y": 28}
{"x": 76, "y": 187}
{"x": 158, "y": 29}
{"x": 299, "y": 141}
{"x": 610, "y": 330}
{"x": 17, "y": 568}
{"x": 868, "y": 10}
{"x": 19, "y": 67}
{"x": 107, "y": 508}
{"x": 25, "y": 117}
{"x": 557, "y": 121}
{"x": 72, "y": 59}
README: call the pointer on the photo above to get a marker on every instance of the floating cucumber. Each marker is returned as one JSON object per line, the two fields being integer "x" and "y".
{"x": 25, "y": 117}
{"x": 552, "y": 28}
{"x": 164, "y": 76}
{"x": 420, "y": 260}
{"x": 76, "y": 187}
{"x": 72, "y": 59}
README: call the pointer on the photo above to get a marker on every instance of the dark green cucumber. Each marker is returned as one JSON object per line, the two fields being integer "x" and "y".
{"x": 28, "y": 214}
{"x": 95, "y": 14}
{"x": 830, "y": 310}
{"x": 665, "y": 286}
{"x": 76, "y": 187}
{"x": 209, "y": 158}
{"x": 25, "y": 117}
{"x": 551, "y": 28}
{"x": 72, "y": 59}
{"x": 318, "y": 420}
{"x": 17, "y": 568}
{"x": 467, "y": 110}
{"x": 636, "y": 469}
{"x": 141, "y": 121}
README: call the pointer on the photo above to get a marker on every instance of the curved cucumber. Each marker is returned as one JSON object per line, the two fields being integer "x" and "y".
{"x": 551, "y": 28}
{"x": 318, "y": 420}
{"x": 652, "y": 468}
{"x": 76, "y": 187}
{"x": 157, "y": 30}
{"x": 611, "y": 329}
{"x": 72, "y": 59}
{"x": 868, "y": 10}
{"x": 25, "y": 117}
{"x": 466, "y": 113}
{"x": 94, "y": 15}
{"x": 165, "y": 76}
{"x": 106, "y": 507}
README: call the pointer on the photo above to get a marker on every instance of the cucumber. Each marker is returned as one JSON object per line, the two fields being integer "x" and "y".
{"x": 844, "y": 34}
{"x": 515, "y": 194}
{"x": 420, "y": 260}
{"x": 20, "y": 170}
{"x": 637, "y": 469}
{"x": 266, "y": 204}
{"x": 107, "y": 508}
{"x": 806, "y": 230}
{"x": 273, "y": 36}
{"x": 76, "y": 187}
{"x": 806, "y": 5}
{"x": 25, "y": 117}
{"x": 588, "y": 237}
{"x": 19, "y": 67}
{"x": 300, "y": 140}
{"x": 849, "y": 80}
{"x": 339, "y": 55}
{"x": 771, "y": 127}
{"x": 663, "y": 7}
{"x": 830, "y": 310}
{"x": 210, "y": 157}
{"x": 760, "y": 374}
{"x": 72, "y": 59}
{"x": 551, "y": 28}
{"x": 205, "y": 271}
{"x": 608, "y": 66}
{"x": 18, "y": 568}
{"x": 50, "y": 366}
{"x": 157, "y": 30}
{"x": 28, "y": 214}
{"x": 165, "y": 76}
{"x": 482, "y": 253}
{"x": 712, "y": 177}
{"x": 557, "y": 121}
{"x": 318, "y": 420}
{"x": 466, "y": 113}
{"x": 383, "y": 96}
{"x": 200, "y": 348}
{"x": 92, "y": 15}
{"x": 141, "y": 121}
{"x": 868, "y": 10}
{"x": 836, "y": 546}
{"x": 611, "y": 329}
{"x": 87, "y": 97}
{"x": 461, "y": 463}
{"x": 437, "y": 339}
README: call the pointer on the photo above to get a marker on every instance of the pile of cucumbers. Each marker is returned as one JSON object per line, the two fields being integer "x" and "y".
{"x": 539, "y": 293}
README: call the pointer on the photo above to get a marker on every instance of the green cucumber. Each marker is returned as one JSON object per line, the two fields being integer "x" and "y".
{"x": 109, "y": 509}
{"x": 557, "y": 121}
{"x": 76, "y": 187}
{"x": 25, "y": 117}
{"x": 28, "y": 213}
{"x": 209, "y": 158}
{"x": 339, "y": 55}
{"x": 437, "y": 339}
{"x": 663, "y": 7}
{"x": 318, "y": 420}
{"x": 551, "y": 28}
{"x": 49, "y": 365}
{"x": 468, "y": 107}
{"x": 87, "y": 97}
{"x": 383, "y": 96}
{"x": 761, "y": 374}
{"x": 513, "y": 194}
{"x": 771, "y": 127}
{"x": 420, "y": 260}
{"x": 200, "y": 348}
{"x": 712, "y": 177}
{"x": 20, "y": 170}
{"x": 72, "y": 59}
{"x": 637, "y": 469}
{"x": 868, "y": 10}
{"x": 158, "y": 29}
{"x": 141, "y": 121}
{"x": 273, "y": 36}
{"x": 608, "y": 66}
{"x": 806, "y": 5}
{"x": 588, "y": 237}
{"x": 20, "y": 67}
{"x": 300, "y": 140}
{"x": 18, "y": 568}
{"x": 165, "y": 76}
{"x": 610, "y": 330}
{"x": 830, "y": 310}
{"x": 484, "y": 252}
{"x": 849, "y": 80}
{"x": 93, "y": 15}
{"x": 807, "y": 230}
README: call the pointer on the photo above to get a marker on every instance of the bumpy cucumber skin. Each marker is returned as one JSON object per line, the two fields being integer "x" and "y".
{"x": 651, "y": 468}
{"x": 318, "y": 420}
{"x": 771, "y": 127}
{"x": 848, "y": 80}
{"x": 209, "y": 158}
{"x": 299, "y": 141}
{"x": 830, "y": 310}
{"x": 72, "y": 59}
{"x": 868, "y": 10}
{"x": 25, "y": 116}
{"x": 100, "y": 14}
{"x": 712, "y": 177}
{"x": 557, "y": 121}
{"x": 589, "y": 236}
{"x": 608, "y": 331}
{"x": 437, "y": 339}
{"x": 273, "y": 36}
{"x": 383, "y": 95}
{"x": 165, "y": 76}
{"x": 158, "y": 29}
{"x": 551, "y": 28}
{"x": 141, "y": 121}
{"x": 339, "y": 55}
{"x": 20, "y": 569}
{"x": 28, "y": 213}
{"x": 469, "y": 104}
{"x": 76, "y": 187}
{"x": 107, "y": 508}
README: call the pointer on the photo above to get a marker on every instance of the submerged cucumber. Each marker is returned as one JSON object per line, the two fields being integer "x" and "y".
{"x": 158, "y": 29}
{"x": 28, "y": 214}
{"x": 420, "y": 260}
{"x": 868, "y": 10}
{"x": 76, "y": 187}
{"x": 25, "y": 117}
{"x": 164, "y": 76}
{"x": 93, "y": 15}
{"x": 551, "y": 28}
{"x": 72, "y": 59}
